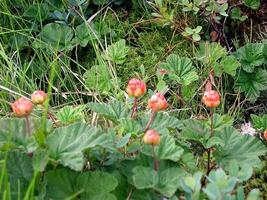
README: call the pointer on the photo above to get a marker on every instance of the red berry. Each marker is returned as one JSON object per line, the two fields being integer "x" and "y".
{"x": 157, "y": 102}
{"x": 265, "y": 134}
{"x": 151, "y": 137}
{"x": 136, "y": 88}
{"x": 211, "y": 99}
{"x": 22, "y": 107}
{"x": 39, "y": 97}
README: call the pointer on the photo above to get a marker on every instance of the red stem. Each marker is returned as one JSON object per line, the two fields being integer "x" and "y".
{"x": 134, "y": 108}
{"x": 156, "y": 162}
{"x": 28, "y": 129}
{"x": 211, "y": 123}
{"x": 211, "y": 135}
{"x": 150, "y": 121}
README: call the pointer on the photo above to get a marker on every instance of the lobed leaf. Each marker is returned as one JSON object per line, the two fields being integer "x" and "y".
{"x": 66, "y": 144}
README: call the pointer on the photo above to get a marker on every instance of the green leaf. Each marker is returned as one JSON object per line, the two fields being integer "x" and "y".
{"x": 228, "y": 64}
{"x": 166, "y": 182}
{"x": 117, "y": 52}
{"x": 85, "y": 33}
{"x": 63, "y": 184}
{"x": 192, "y": 185}
{"x": 212, "y": 191}
{"x": 169, "y": 181}
{"x": 114, "y": 110}
{"x": 196, "y": 131}
{"x": 98, "y": 79}
{"x": 219, "y": 184}
{"x": 97, "y": 185}
{"x": 100, "y": 2}
{"x": 166, "y": 150}
{"x": 161, "y": 121}
{"x": 37, "y": 11}
{"x": 245, "y": 173}
{"x": 210, "y": 53}
{"x": 57, "y": 36}
{"x": 66, "y": 144}
{"x": 198, "y": 29}
{"x": 237, "y": 14}
{"x": 233, "y": 168}
{"x": 123, "y": 141}
{"x": 141, "y": 195}
{"x": 130, "y": 126}
{"x": 162, "y": 86}
{"x": 243, "y": 149}
{"x": 250, "y": 56}
{"x": 69, "y": 114}
{"x": 189, "y": 91}
{"x": 189, "y": 30}
{"x": 144, "y": 177}
{"x": 254, "y": 4}
{"x": 180, "y": 69}
{"x": 20, "y": 173}
{"x": 18, "y": 42}
{"x": 252, "y": 83}
{"x": 254, "y": 195}
{"x": 214, "y": 141}
{"x": 220, "y": 121}
{"x": 13, "y": 133}
{"x": 240, "y": 193}
{"x": 189, "y": 160}
{"x": 259, "y": 122}
{"x": 40, "y": 160}
{"x": 159, "y": 3}
{"x": 196, "y": 37}
{"x": 242, "y": 174}
{"x": 190, "y": 182}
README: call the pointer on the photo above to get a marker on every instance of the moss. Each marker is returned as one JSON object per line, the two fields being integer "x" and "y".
{"x": 259, "y": 180}
{"x": 149, "y": 49}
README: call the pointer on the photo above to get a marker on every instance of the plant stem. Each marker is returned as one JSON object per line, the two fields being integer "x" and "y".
{"x": 156, "y": 162}
{"x": 211, "y": 123}
{"x": 150, "y": 120}
{"x": 211, "y": 135}
{"x": 134, "y": 107}
{"x": 49, "y": 114}
{"x": 28, "y": 129}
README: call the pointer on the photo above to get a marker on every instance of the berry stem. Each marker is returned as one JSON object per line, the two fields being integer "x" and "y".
{"x": 211, "y": 123}
{"x": 156, "y": 162}
{"x": 150, "y": 121}
{"x": 211, "y": 135}
{"x": 28, "y": 129}
{"x": 134, "y": 107}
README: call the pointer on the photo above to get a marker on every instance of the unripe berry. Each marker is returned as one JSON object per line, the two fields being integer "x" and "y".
{"x": 157, "y": 102}
{"x": 22, "y": 107}
{"x": 151, "y": 137}
{"x": 265, "y": 134}
{"x": 39, "y": 97}
{"x": 211, "y": 99}
{"x": 136, "y": 88}
{"x": 163, "y": 72}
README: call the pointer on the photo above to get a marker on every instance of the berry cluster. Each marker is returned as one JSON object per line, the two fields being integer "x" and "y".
{"x": 23, "y": 106}
{"x": 136, "y": 88}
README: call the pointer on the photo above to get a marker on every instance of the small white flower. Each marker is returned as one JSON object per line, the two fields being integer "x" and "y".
{"x": 247, "y": 129}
